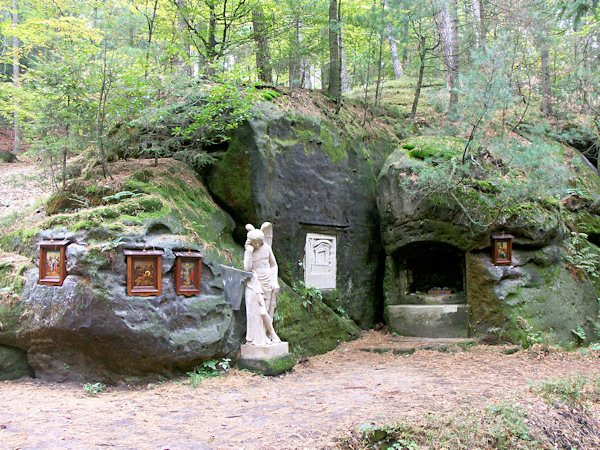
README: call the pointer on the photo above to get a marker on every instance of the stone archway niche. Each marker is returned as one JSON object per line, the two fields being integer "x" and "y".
{"x": 427, "y": 296}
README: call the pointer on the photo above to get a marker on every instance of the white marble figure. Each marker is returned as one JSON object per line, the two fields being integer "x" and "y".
{"x": 262, "y": 288}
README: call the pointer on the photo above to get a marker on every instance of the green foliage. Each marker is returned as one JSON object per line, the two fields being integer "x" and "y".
{"x": 221, "y": 107}
{"x": 576, "y": 391}
{"x": 308, "y": 294}
{"x": 502, "y": 425}
{"x": 93, "y": 389}
{"x": 121, "y": 196}
{"x": 208, "y": 369}
{"x": 581, "y": 256}
{"x": 269, "y": 94}
{"x": 579, "y": 332}
{"x": 12, "y": 278}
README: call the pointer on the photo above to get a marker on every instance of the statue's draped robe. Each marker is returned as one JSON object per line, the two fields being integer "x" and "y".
{"x": 256, "y": 307}
{"x": 259, "y": 292}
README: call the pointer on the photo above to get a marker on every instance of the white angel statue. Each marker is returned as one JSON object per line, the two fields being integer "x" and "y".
{"x": 262, "y": 288}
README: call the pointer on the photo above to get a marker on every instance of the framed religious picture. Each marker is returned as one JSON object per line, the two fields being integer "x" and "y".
{"x": 53, "y": 262}
{"x": 188, "y": 267}
{"x": 502, "y": 249}
{"x": 144, "y": 274}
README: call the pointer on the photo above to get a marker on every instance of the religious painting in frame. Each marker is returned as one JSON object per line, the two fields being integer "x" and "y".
{"x": 502, "y": 249}
{"x": 53, "y": 262}
{"x": 144, "y": 274}
{"x": 188, "y": 269}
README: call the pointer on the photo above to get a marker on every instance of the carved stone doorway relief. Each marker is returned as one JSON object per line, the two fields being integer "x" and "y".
{"x": 320, "y": 264}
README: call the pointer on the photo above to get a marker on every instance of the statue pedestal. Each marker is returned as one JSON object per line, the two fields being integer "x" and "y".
{"x": 266, "y": 359}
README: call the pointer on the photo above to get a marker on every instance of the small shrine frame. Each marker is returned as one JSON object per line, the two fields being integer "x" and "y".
{"x": 53, "y": 262}
{"x": 144, "y": 272}
{"x": 502, "y": 249}
{"x": 188, "y": 271}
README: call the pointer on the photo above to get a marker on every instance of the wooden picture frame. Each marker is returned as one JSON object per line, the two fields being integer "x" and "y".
{"x": 53, "y": 262}
{"x": 502, "y": 249}
{"x": 188, "y": 270}
{"x": 144, "y": 272}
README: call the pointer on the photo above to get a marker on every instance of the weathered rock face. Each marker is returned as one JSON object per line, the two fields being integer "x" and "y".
{"x": 90, "y": 329}
{"x": 13, "y": 363}
{"x": 533, "y": 301}
{"x": 304, "y": 176}
{"x": 433, "y": 242}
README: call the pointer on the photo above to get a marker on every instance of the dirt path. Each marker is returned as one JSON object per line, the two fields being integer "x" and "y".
{"x": 308, "y": 408}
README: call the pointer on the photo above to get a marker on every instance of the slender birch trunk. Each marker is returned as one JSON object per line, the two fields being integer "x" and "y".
{"x": 16, "y": 69}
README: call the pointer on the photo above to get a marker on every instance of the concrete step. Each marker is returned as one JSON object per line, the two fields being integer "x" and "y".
{"x": 429, "y": 321}
{"x": 458, "y": 298}
{"x": 401, "y": 345}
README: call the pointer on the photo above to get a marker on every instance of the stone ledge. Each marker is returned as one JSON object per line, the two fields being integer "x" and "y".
{"x": 268, "y": 366}
{"x": 429, "y": 321}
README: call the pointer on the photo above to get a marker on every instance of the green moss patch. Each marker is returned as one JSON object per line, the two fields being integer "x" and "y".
{"x": 423, "y": 147}
{"x": 12, "y": 278}
{"x": 311, "y": 329}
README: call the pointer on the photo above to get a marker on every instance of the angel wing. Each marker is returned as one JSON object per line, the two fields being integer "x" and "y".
{"x": 267, "y": 229}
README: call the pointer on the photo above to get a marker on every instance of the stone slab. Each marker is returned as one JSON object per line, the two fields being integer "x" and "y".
{"x": 234, "y": 283}
{"x": 426, "y": 299}
{"x": 431, "y": 321}
{"x": 264, "y": 351}
{"x": 269, "y": 366}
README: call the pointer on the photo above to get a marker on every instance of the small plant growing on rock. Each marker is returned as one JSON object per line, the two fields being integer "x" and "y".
{"x": 208, "y": 369}
{"x": 307, "y": 293}
{"x": 93, "y": 389}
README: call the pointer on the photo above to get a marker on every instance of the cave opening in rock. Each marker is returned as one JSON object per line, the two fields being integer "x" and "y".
{"x": 431, "y": 266}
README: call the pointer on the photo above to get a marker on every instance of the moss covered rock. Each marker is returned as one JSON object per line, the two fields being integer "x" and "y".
{"x": 13, "y": 363}
{"x": 428, "y": 197}
{"x": 311, "y": 173}
{"x": 89, "y": 328}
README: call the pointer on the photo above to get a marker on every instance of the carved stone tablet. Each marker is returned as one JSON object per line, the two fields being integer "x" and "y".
{"x": 320, "y": 264}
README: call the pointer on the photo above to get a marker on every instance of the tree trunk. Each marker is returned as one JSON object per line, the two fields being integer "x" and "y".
{"x": 422, "y": 52}
{"x": 477, "y": 6}
{"x": 211, "y": 41}
{"x": 324, "y": 61}
{"x": 101, "y": 112}
{"x": 378, "y": 87}
{"x": 15, "y": 58}
{"x": 150, "y": 32}
{"x": 453, "y": 103}
{"x": 295, "y": 75}
{"x": 66, "y": 155}
{"x": 345, "y": 76}
{"x": 306, "y": 82}
{"x": 335, "y": 75}
{"x": 447, "y": 20}
{"x": 263, "y": 55}
{"x": 545, "y": 78}
{"x": 393, "y": 48}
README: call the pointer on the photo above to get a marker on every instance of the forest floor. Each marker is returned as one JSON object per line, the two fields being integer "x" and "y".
{"x": 24, "y": 186}
{"x": 317, "y": 405}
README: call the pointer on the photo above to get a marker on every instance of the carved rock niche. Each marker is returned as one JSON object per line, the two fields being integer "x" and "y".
{"x": 53, "y": 262}
{"x": 320, "y": 263}
{"x": 144, "y": 274}
{"x": 188, "y": 268}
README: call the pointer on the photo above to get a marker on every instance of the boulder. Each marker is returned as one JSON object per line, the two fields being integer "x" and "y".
{"x": 544, "y": 295}
{"x": 307, "y": 174}
{"x": 90, "y": 329}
